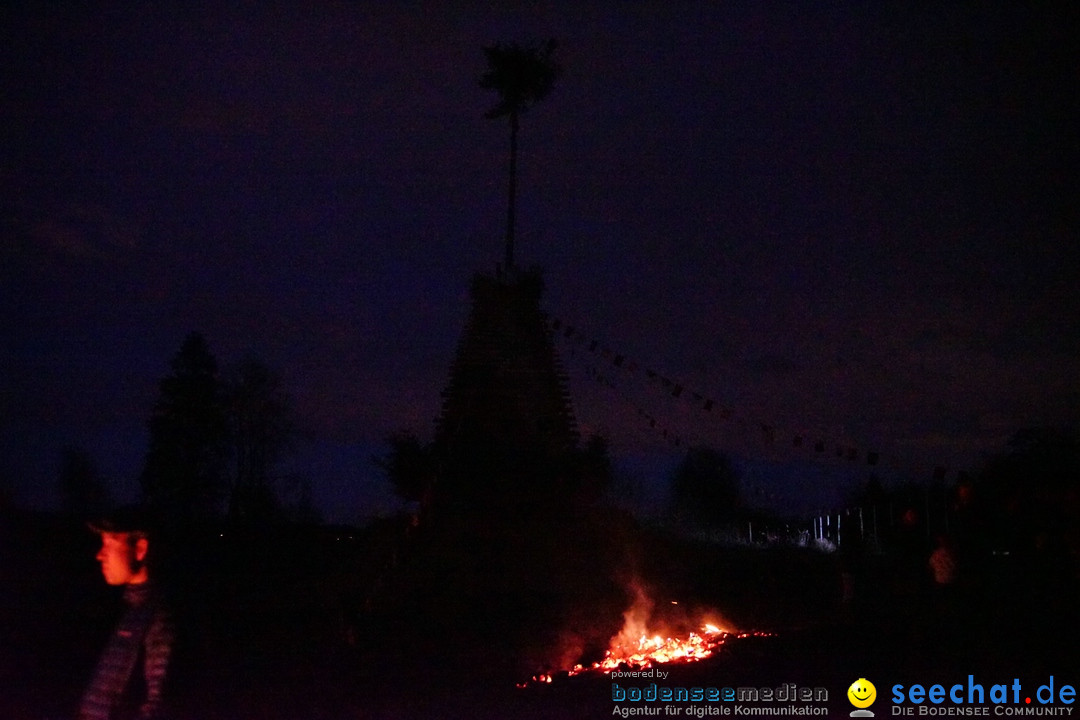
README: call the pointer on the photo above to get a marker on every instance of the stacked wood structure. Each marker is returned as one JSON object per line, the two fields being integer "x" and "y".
{"x": 507, "y": 428}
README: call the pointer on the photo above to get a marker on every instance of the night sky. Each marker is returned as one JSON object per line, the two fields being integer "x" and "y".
{"x": 854, "y": 223}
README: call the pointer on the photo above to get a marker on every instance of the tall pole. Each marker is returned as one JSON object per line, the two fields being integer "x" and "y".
{"x": 513, "y": 192}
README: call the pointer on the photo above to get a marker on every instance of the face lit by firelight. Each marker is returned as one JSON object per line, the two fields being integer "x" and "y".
{"x": 121, "y": 557}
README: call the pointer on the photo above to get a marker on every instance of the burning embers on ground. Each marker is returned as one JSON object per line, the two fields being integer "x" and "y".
{"x": 637, "y": 646}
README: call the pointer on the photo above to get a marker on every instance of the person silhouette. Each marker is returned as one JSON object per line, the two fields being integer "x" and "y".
{"x": 130, "y": 673}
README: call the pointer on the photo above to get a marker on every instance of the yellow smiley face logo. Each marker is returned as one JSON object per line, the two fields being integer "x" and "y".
{"x": 862, "y": 693}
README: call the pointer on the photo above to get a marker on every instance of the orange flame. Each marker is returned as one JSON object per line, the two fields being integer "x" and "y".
{"x": 636, "y": 648}
{"x": 646, "y": 651}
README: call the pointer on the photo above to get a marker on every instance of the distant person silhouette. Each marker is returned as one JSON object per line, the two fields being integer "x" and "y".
{"x": 942, "y": 562}
{"x": 130, "y": 675}
{"x": 948, "y": 619}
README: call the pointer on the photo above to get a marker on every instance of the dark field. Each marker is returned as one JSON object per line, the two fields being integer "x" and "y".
{"x": 311, "y": 623}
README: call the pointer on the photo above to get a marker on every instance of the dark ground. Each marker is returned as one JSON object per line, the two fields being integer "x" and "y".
{"x": 315, "y": 623}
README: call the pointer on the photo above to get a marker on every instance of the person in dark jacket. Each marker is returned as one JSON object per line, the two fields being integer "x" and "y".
{"x": 130, "y": 674}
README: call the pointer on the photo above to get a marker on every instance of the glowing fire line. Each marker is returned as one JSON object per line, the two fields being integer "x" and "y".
{"x": 647, "y": 651}
{"x": 658, "y": 649}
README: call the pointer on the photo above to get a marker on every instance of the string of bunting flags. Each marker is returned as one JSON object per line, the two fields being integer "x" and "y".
{"x": 768, "y": 432}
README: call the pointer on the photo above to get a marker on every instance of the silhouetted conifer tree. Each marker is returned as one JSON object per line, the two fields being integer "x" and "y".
{"x": 185, "y": 471}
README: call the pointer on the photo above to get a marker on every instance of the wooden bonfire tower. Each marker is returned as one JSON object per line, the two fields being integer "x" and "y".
{"x": 506, "y": 432}
{"x": 509, "y": 544}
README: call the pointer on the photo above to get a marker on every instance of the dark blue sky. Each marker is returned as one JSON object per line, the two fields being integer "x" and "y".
{"x": 853, "y": 223}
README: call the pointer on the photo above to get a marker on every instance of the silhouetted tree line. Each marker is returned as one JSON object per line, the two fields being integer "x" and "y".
{"x": 411, "y": 466}
{"x": 1027, "y": 499}
{"x": 705, "y": 487}
{"x": 83, "y": 491}
{"x": 216, "y": 440}
{"x": 1024, "y": 501}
